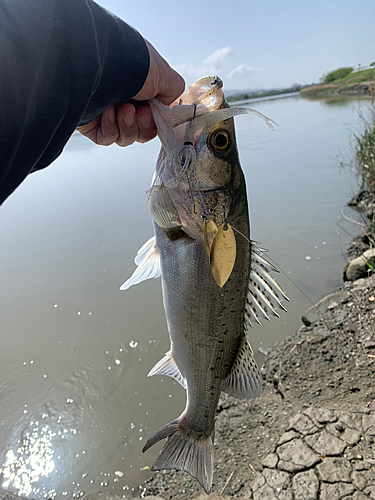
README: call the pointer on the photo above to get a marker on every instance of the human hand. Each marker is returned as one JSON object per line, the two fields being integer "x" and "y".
{"x": 129, "y": 124}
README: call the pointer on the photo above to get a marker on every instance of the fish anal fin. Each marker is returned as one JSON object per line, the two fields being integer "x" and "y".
{"x": 186, "y": 450}
{"x": 148, "y": 262}
{"x": 167, "y": 366}
{"x": 244, "y": 380}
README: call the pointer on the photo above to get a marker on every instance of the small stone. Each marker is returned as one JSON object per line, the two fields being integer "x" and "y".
{"x": 358, "y": 268}
{"x": 303, "y": 424}
{"x": 335, "y": 469}
{"x": 305, "y": 486}
{"x": 270, "y": 461}
{"x": 296, "y": 456}
{"x": 325, "y": 444}
{"x": 335, "y": 491}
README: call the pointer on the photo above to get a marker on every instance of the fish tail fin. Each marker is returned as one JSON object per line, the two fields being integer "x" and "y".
{"x": 185, "y": 450}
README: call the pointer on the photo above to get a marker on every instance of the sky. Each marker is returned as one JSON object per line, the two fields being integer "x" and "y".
{"x": 255, "y": 44}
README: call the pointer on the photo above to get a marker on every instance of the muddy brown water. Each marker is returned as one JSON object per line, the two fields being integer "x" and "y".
{"x": 75, "y": 404}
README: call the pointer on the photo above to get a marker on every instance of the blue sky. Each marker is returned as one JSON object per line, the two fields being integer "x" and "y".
{"x": 255, "y": 44}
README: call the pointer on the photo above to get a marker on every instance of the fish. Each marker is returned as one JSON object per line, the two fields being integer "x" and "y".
{"x": 215, "y": 281}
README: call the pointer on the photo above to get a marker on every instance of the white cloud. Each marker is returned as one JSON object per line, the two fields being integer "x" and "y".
{"x": 215, "y": 59}
{"x": 212, "y": 65}
{"x": 242, "y": 70}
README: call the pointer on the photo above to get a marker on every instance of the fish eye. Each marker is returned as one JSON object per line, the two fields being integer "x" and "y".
{"x": 219, "y": 141}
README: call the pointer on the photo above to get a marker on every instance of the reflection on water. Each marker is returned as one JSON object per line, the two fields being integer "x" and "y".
{"x": 76, "y": 403}
{"x": 31, "y": 462}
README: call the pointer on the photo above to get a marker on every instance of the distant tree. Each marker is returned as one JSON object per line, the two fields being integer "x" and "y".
{"x": 372, "y": 64}
{"x": 336, "y": 74}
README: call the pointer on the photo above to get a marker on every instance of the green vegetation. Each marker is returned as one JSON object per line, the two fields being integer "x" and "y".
{"x": 337, "y": 74}
{"x": 343, "y": 81}
{"x": 365, "y": 152}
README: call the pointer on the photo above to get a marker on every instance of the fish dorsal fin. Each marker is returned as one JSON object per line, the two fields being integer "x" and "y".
{"x": 244, "y": 379}
{"x": 167, "y": 366}
{"x": 264, "y": 294}
{"x": 148, "y": 262}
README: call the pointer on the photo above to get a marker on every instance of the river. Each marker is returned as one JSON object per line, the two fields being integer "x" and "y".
{"x": 75, "y": 404}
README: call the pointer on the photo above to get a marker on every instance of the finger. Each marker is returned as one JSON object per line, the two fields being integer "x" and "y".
{"x": 172, "y": 87}
{"x": 127, "y": 124}
{"x": 90, "y": 129}
{"x": 108, "y": 132}
{"x": 146, "y": 124}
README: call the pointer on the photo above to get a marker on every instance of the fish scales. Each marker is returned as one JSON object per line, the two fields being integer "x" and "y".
{"x": 211, "y": 290}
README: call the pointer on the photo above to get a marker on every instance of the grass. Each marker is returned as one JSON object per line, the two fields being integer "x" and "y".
{"x": 364, "y": 144}
{"x": 359, "y": 76}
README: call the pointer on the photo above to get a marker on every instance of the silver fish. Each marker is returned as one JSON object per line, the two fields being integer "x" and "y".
{"x": 215, "y": 282}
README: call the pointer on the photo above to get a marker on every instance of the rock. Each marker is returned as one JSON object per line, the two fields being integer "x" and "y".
{"x": 305, "y": 486}
{"x": 312, "y": 315}
{"x": 335, "y": 491}
{"x": 361, "y": 201}
{"x": 358, "y": 268}
{"x": 326, "y": 444}
{"x": 334, "y": 469}
{"x": 296, "y": 456}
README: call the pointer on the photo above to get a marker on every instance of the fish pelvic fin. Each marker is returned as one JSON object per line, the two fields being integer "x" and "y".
{"x": 167, "y": 366}
{"x": 186, "y": 450}
{"x": 148, "y": 262}
{"x": 244, "y": 379}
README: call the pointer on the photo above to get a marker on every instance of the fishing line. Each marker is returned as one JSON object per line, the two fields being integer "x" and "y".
{"x": 347, "y": 339}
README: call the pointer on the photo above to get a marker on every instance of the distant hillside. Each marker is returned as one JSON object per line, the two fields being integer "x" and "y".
{"x": 344, "y": 81}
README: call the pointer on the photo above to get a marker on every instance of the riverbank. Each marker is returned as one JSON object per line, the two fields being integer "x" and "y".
{"x": 352, "y": 88}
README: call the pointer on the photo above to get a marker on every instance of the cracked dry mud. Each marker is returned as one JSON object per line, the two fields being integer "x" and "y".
{"x": 311, "y": 435}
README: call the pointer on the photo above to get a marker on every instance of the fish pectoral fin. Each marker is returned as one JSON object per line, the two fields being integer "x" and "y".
{"x": 148, "y": 262}
{"x": 167, "y": 366}
{"x": 185, "y": 450}
{"x": 244, "y": 379}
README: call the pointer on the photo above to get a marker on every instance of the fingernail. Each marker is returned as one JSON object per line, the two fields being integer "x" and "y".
{"x": 129, "y": 118}
{"x": 145, "y": 120}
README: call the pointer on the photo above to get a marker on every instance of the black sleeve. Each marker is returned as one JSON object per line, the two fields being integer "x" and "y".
{"x": 62, "y": 63}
